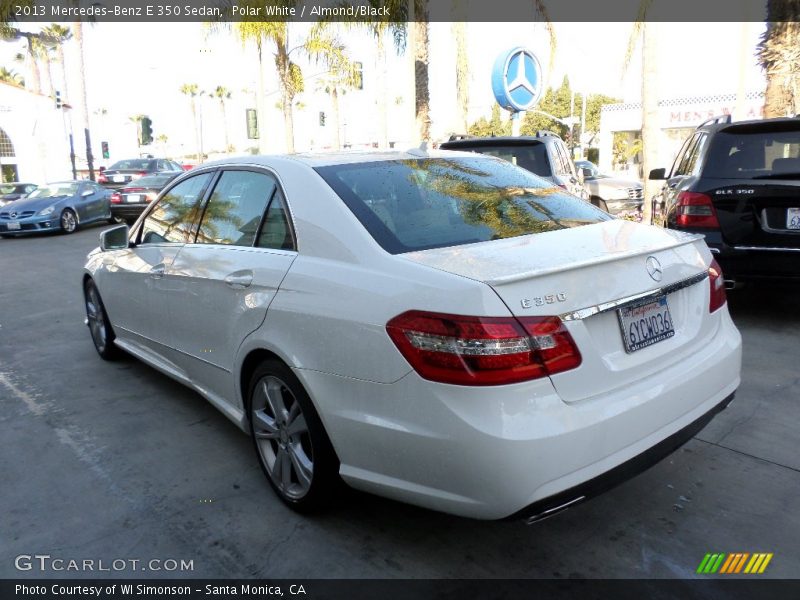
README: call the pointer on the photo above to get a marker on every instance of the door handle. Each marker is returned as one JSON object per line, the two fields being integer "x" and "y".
{"x": 157, "y": 272}
{"x": 239, "y": 280}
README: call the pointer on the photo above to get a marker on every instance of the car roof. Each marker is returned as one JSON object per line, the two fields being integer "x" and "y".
{"x": 751, "y": 125}
{"x": 503, "y": 139}
{"x": 324, "y": 159}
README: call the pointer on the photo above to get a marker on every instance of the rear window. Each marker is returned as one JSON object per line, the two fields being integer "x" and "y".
{"x": 746, "y": 154}
{"x": 419, "y": 204}
{"x": 154, "y": 181}
{"x": 133, "y": 164}
{"x": 532, "y": 157}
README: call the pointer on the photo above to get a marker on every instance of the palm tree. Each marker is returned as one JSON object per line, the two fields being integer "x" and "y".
{"x": 318, "y": 45}
{"x": 58, "y": 35}
{"x": 11, "y": 76}
{"x": 336, "y": 83}
{"x": 83, "y": 105}
{"x": 192, "y": 91}
{"x": 222, "y": 94}
{"x": 41, "y": 51}
{"x": 462, "y": 74}
{"x": 779, "y": 55}
{"x": 647, "y": 32}
{"x": 422, "y": 96}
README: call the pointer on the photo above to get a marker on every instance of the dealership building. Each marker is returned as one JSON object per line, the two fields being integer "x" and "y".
{"x": 677, "y": 118}
{"x": 34, "y": 142}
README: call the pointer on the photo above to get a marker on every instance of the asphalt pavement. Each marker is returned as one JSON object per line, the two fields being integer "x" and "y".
{"x": 115, "y": 461}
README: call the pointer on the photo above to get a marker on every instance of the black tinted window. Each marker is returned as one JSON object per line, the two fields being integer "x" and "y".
{"x": 754, "y": 153}
{"x": 234, "y": 212}
{"x": 530, "y": 157}
{"x": 173, "y": 218}
{"x": 276, "y": 232}
{"x": 418, "y": 204}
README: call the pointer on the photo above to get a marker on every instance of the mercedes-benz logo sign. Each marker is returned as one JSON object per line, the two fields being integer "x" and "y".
{"x": 13, "y": 215}
{"x": 654, "y": 268}
{"x": 517, "y": 80}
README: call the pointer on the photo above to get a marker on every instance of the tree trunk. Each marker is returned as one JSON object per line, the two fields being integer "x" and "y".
{"x": 288, "y": 120}
{"x": 380, "y": 63}
{"x": 83, "y": 106}
{"x": 337, "y": 141}
{"x": 198, "y": 145}
{"x": 650, "y": 124}
{"x": 48, "y": 77}
{"x": 36, "y": 77}
{"x": 462, "y": 76}
{"x": 421, "y": 88}
{"x": 64, "y": 90}
{"x": 224, "y": 125}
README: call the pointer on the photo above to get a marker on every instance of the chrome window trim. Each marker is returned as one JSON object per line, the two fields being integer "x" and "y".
{"x": 590, "y": 311}
{"x": 766, "y": 249}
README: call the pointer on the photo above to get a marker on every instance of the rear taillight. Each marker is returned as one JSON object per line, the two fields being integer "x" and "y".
{"x": 116, "y": 198}
{"x": 696, "y": 210}
{"x": 718, "y": 296}
{"x": 483, "y": 350}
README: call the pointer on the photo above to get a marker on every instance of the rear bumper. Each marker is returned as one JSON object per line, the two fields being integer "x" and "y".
{"x": 490, "y": 453}
{"x": 128, "y": 211}
{"x": 548, "y": 507}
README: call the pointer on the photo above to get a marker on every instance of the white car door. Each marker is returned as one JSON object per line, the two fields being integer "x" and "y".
{"x": 222, "y": 285}
{"x": 134, "y": 291}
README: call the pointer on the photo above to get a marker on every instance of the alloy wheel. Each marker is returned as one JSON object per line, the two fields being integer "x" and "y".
{"x": 282, "y": 437}
{"x": 68, "y": 221}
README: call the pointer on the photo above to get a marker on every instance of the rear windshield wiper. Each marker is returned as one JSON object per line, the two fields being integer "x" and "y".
{"x": 778, "y": 176}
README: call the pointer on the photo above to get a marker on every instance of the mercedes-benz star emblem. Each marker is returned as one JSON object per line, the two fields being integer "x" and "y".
{"x": 654, "y": 268}
{"x": 13, "y": 215}
{"x": 520, "y": 79}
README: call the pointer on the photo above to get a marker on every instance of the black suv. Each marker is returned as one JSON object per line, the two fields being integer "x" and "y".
{"x": 545, "y": 155}
{"x": 739, "y": 185}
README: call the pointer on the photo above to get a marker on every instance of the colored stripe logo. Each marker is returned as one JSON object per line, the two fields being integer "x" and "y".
{"x": 733, "y": 563}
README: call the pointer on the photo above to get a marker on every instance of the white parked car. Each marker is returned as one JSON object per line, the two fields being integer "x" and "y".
{"x": 445, "y": 329}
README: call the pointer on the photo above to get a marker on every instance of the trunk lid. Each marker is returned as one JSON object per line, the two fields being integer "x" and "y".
{"x": 578, "y": 274}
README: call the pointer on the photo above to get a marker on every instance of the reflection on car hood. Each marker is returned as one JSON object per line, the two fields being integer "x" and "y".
{"x": 35, "y": 204}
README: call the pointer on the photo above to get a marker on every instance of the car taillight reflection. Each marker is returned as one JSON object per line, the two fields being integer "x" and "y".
{"x": 718, "y": 297}
{"x": 467, "y": 350}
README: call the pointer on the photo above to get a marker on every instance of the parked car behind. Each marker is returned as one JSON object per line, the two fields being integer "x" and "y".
{"x": 445, "y": 329}
{"x": 738, "y": 183}
{"x": 129, "y": 202}
{"x": 60, "y": 206}
{"x": 124, "y": 171}
{"x": 545, "y": 155}
{"x": 622, "y": 197}
{"x": 14, "y": 190}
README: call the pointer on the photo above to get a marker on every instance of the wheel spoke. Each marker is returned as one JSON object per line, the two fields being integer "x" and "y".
{"x": 272, "y": 392}
{"x": 264, "y": 426}
{"x": 297, "y": 426}
{"x": 282, "y": 471}
{"x": 303, "y": 467}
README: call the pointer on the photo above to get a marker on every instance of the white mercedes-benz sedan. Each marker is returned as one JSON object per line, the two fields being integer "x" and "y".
{"x": 440, "y": 328}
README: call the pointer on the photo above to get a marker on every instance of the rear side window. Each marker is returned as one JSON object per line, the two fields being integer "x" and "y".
{"x": 745, "y": 153}
{"x": 174, "y": 217}
{"x": 418, "y": 204}
{"x": 233, "y": 214}
{"x": 531, "y": 157}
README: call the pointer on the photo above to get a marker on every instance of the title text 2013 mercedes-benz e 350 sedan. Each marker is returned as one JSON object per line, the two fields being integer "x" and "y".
{"x": 445, "y": 329}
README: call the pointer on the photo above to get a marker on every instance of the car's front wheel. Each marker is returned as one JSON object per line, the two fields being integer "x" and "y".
{"x": 99, "y": 325}
{"x": 69, "y": 222}
{"x": 292, "y": 446}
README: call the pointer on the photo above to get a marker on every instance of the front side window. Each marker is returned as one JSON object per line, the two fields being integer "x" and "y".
{"x": 417, "y": 204}
{"x": 172, "y": 220}
{"x": 234, "y": 212}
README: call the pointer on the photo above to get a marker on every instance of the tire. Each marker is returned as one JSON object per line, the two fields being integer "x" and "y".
{"x": 99, "y": 326}
{"x": 116, "y": 220}
{"x": 68, "y": 221}
{"x": 293, "y": 449}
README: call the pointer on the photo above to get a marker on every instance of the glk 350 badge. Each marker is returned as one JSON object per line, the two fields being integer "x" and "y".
{"x": 542, "y": 300}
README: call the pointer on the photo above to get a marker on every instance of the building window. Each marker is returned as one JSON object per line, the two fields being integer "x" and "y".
{"x": 6, "y": 147}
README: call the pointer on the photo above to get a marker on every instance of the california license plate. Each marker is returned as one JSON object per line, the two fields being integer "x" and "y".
{"x": 133, "y": 198}
{"x": 793, "y": 218}
{"x": 13, "y": 226}
{"x": 645, "y": 324}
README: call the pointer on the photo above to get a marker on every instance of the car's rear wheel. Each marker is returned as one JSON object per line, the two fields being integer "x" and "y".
{"x": 69, "y": 222}
{"x": 99, "y": 325}
{"x": 292, "y": 446}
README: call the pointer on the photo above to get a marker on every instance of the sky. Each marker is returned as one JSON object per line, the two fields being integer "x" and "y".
{"x": 133, "y": 68}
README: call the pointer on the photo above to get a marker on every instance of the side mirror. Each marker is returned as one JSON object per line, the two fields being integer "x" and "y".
{"x": 115, "y": 238}
{"x": 657, "y": 174}
{"x": 587, "y": 173}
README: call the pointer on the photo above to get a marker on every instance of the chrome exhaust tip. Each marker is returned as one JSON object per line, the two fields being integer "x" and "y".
{"x": 553, "y": 511}
{"x": 730, "y": 284}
